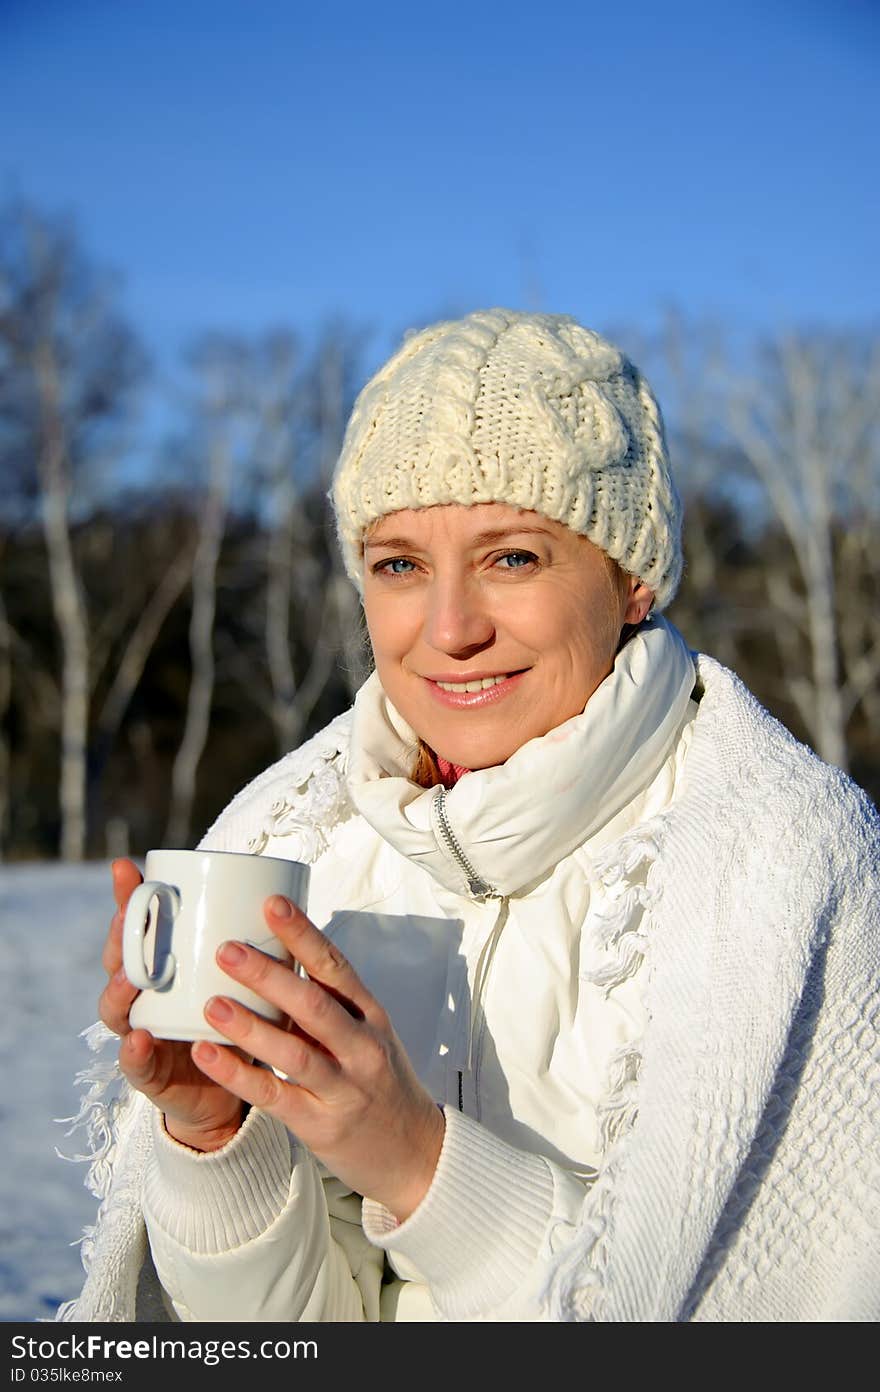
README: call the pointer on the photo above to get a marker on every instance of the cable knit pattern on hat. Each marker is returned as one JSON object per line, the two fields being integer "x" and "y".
{"x": 532, "y": 410}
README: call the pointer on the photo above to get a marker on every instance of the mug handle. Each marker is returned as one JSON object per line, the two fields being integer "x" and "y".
{"x": 133, "y": 929}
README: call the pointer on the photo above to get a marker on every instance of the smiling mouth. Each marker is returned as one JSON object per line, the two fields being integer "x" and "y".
{"x": 478, "y": 684}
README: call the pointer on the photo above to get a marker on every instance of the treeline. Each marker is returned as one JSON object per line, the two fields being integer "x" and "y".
{"x": 136, "y": 570}
{"x": 173, "y": 615}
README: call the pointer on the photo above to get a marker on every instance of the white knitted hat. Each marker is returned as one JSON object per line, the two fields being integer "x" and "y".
{"x": 527, "y": 409}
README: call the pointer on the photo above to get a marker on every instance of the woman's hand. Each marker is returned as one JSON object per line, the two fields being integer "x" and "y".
{"x": 198, "y": 1112}
{"x": 351, "y": 1093}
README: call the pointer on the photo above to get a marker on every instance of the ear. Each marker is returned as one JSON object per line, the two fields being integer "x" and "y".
{"x": 639, "y": 601}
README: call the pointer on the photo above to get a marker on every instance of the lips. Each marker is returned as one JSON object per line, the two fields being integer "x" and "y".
{"x": 471, "y": 690}
{"x": 477, "y": 684}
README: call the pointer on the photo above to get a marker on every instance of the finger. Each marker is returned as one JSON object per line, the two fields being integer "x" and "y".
{"x": 142, "y": 1063}
{"x": 126, "y": 877}
{"x": 309, "y": 1004}
{"x": 149, "y": 1063}
{"x": 259, "y": 1086}
{"x": 300, "y": 1059}
{"x": 115, "y": 1002}
{"x": 111, "y": 954}
{"x": 318, "y": 955}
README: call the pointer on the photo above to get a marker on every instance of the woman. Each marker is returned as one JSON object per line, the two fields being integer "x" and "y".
{"x": 569, "y": 881}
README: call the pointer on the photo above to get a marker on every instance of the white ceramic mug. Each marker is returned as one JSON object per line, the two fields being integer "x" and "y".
{"x": 190, "y": 903}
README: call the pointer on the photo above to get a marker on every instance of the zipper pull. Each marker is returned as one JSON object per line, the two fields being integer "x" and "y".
{"x": 478, "y": 888}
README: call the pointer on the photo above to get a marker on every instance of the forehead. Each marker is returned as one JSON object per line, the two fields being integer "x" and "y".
{"x": 483, "y": 522}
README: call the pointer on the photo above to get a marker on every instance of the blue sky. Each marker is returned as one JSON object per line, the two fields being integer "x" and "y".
{"x": 250, "y": 164}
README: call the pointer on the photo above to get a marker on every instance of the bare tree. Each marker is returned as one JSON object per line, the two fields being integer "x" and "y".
{"x": 292, "y": 562}
{"x": 68, "y": 367}
{"x": 278, "y": 445}
{"x": 310, "y": 604}
{"x": 808, "y": 422}
{"x": 334, "y": 363}
{"x": 141, "y": 640}
{"x": 222, "y": 409}
{"x": 125, "y": 635}
{"x": 781, "y": 434}
{"x": 683, "y": 361}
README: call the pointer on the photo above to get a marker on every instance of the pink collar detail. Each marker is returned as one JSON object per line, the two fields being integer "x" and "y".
{"x": 450, "y": 773}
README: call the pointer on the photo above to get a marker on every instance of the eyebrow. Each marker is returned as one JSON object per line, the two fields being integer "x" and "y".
{"x": 481, "y": 538}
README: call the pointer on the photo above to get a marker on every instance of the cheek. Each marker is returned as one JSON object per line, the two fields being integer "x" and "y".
{"x": 575, "y": 627}
{"x": 390, "y": 624}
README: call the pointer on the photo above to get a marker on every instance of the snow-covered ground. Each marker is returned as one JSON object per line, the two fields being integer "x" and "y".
{"x": 53, "y": 920}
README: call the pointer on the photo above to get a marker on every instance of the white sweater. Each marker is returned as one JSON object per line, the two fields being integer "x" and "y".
{"x": 748, "y": 1187}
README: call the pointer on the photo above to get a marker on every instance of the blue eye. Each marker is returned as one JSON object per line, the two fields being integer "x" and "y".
{"x": 515, "y": 560}
{"x": 395, "y": 566}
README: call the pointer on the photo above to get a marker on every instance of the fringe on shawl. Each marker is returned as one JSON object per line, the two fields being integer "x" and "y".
{"x": 309, "y": 814}
{"x": 619, "y": 938}
{"x": 96, "y": 1114}
{"x": 616, "y": 932}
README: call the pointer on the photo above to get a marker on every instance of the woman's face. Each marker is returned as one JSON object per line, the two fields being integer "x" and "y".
{"x": 490, "y": 625}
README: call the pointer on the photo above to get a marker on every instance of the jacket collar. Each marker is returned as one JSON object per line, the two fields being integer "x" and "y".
{"x": 514, "y": 822}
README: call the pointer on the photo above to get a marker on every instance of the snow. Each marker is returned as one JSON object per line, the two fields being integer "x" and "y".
{"x": 53, "y": 921}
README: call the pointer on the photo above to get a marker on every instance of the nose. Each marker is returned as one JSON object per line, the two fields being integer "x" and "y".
{"x": 457, "y": 618}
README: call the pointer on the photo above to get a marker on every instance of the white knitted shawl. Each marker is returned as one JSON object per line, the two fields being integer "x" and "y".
{"x": 748, "y": 1187}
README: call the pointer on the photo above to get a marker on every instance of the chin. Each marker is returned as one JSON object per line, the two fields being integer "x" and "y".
{"x": 479, "y": 749}
{"x": 476, "y": 755}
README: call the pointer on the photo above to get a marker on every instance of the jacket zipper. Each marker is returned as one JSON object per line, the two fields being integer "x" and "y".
{"x": 478, "y": 888}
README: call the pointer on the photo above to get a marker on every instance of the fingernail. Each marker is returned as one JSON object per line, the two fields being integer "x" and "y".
{"x": 119, "y": 976}
{"x": 208, "y": 1053}
{"x": 218, "y": 1008}
{"x": 232, "y": 953}
{"x": 280, "y": 907}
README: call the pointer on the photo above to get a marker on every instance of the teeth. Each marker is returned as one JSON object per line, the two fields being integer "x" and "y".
{"x": 480, "y": 685}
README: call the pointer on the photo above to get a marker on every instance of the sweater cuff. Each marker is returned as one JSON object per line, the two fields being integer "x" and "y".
{"x": 219, "y": 1200}
{"x": 476, "y": 1234}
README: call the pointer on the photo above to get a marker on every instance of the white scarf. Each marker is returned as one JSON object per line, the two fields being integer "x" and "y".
{"x": 517, "y": 820}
